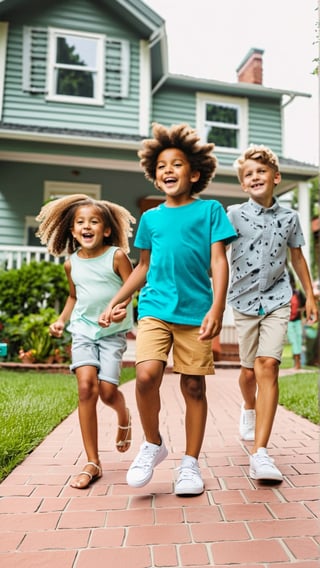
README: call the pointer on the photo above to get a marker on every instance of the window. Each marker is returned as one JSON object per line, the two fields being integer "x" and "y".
{"x": 222, "y": 120}
{"x": 76, "y": 67}
{"x": 30, "y": 229}
{"x": 56, "y": 189}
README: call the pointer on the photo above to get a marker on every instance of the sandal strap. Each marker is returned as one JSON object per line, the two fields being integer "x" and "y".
{"x": 86, "y": 473}
{"x": 129, "y": 422}
{"x": 95, "y": 465}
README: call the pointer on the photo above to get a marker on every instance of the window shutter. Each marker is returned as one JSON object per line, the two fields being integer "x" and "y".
{"x": 117, "y": 59}
{"x": 35, "y": 48}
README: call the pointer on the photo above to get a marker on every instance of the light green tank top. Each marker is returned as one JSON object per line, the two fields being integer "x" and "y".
{"x": 96, "y": 283}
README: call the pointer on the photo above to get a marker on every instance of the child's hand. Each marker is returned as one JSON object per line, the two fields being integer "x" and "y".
{"x": 210, "y": 327}
{"x": 56, "y": 328}
{"x": 119, "y": 312}
{"x": 113, "y": 314}
{"x": 104, "y": 319}
{"x": 311, "y": 311}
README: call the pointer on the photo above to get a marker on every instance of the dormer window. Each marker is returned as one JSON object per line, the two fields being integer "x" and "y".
{"x": 222, "y": 120}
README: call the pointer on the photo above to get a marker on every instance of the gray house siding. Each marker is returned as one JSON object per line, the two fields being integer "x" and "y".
{"x": 119, "y": 116}
{"x": 173, "y": 106}
{"x": 265, "y": 124}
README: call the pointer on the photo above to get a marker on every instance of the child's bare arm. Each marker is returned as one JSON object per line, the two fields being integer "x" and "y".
{"x": 212, "y": 322}
{"x": 134, "y": 282}
{"x": 300, "y": 266}
{"x": 56, "y": 328}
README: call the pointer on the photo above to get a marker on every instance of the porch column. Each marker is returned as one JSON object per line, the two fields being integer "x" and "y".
{"x": 304, "y": 212}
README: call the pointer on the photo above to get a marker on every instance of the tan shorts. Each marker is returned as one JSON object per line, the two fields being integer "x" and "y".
{"x": 261, "y": 336}
{"x": 190, "y": 356}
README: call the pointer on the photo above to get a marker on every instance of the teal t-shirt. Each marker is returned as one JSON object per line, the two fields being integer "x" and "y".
{"x": 178, "y": 286}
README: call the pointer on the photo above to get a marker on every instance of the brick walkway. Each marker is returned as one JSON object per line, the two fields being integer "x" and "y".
{"x": 237, "y": 521}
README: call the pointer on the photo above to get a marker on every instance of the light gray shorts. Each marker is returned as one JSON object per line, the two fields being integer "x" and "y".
{"x": 104, "y": 353}
{"x": 261, "y": 336}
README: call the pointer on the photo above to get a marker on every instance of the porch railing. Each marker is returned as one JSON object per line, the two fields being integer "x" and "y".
{"x": 14, "y": 256}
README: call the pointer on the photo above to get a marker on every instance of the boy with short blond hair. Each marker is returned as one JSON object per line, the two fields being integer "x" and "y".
{"x": 260, "y": 294}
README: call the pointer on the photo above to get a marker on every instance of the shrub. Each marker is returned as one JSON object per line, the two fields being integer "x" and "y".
{"x": 30, "y": 299}
{"x": 27, "y": 289}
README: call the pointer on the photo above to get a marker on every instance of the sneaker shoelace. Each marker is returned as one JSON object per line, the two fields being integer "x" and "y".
{"x": 145, "y": 457}
{"x": 265, "y": 460}
{"x": 188, "y": 472}
{"x": 248, "y": 419}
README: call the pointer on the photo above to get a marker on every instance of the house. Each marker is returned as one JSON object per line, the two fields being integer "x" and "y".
{"x": 80, "y": 84}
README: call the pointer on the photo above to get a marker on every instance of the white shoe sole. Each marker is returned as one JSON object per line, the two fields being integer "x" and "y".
{"x": 186, "y": 492}
{"x": 247, "y": 437}
{"x": 268, "y": 476}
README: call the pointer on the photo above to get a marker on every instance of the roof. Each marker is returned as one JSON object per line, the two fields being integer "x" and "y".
{"x": 125, "y": 141}
{"x": 135, "y": 13}
{"x": 244, "y": 89}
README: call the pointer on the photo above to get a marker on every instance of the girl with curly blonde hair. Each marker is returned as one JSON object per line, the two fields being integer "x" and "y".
{"x": 95, "y": 234}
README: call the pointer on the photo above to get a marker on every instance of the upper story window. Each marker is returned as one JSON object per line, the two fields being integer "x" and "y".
{"x": 222, "y": 120}
{"x": 75, "y": 67}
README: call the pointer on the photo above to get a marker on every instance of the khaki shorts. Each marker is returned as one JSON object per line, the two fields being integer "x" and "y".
{"x": 190, "y": 356}
{"x": 261, "y": 336}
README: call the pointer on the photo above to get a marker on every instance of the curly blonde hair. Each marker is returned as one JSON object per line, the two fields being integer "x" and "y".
{"x": 260, "y": 153}
{"x": 186, "y": 139}
{"x": 56, "y": 219}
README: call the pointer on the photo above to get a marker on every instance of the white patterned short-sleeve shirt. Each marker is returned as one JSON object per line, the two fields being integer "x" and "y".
{"x": 259, "y": 278}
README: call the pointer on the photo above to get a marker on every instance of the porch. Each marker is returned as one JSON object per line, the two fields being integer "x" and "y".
{"x": 14, "y": 256}
{"x": 225, "y": 347}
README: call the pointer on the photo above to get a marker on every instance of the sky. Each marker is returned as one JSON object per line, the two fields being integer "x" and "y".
{"x": 210, "y": 38}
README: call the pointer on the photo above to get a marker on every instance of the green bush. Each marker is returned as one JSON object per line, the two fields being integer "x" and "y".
{"x": 30, "y": 299}
{"x": 33, "y": 286}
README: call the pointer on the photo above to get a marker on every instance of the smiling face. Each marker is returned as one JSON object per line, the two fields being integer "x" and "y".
{"x": 259, "y": 181}
{"x": 174, "y": 176}
{"x": 89, "y": 229}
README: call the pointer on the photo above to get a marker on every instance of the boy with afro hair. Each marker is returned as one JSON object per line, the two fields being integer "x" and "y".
{"x": 180, "y": 242}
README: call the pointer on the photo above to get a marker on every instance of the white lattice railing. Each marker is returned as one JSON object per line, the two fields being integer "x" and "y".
{"x": 15, "y": 256}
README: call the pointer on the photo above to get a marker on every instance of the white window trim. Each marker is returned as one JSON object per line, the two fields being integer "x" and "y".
{"x": 52, "y": 96}
{"x": 30, "y": 223}
{"x": 3, "y": 50}
{"x": 145, "y": 89}
{"x": 242, "y": 103}
{"x": 53, "y": 189}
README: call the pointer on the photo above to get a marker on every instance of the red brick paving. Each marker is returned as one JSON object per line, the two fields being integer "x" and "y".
{"x": 236, "y": 522}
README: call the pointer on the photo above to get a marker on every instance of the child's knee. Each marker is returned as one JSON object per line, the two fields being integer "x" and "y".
{"x": 193, "y": 387}
{"x": 149, "y": 375}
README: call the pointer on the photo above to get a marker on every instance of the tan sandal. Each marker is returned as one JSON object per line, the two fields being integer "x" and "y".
{"x": 124, "y": 445}
{"x": 90, "y": 477}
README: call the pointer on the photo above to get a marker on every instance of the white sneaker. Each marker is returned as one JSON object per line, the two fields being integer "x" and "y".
{"x": 247, "y": 424}
{"x": 189, "y": 481}
{"x": 262, "y": 466}
{"x": 141, "y": 470}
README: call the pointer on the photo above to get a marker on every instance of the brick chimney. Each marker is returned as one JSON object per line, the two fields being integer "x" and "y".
{"x": 250, "y": 68}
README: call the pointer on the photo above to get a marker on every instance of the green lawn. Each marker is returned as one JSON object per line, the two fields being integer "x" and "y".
{"x": 31, "y": 405}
